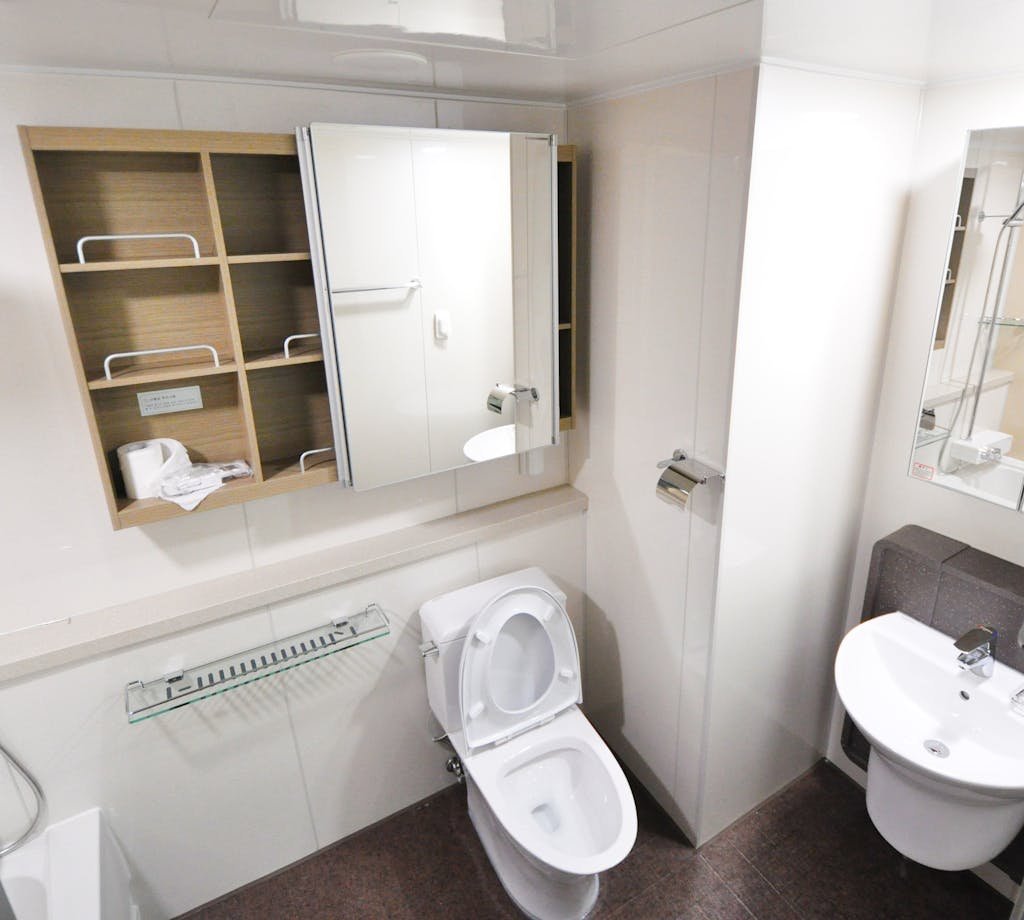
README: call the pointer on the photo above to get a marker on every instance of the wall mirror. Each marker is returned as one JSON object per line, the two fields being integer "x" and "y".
{"x": 434, "y": 253}
{"x": 970, "y": 432}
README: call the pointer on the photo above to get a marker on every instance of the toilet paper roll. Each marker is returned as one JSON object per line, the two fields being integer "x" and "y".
{"x": 675, "y": 486}
{"x": 144, "y": 463}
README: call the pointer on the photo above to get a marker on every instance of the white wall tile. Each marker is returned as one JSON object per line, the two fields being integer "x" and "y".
{"x": 727, "y": 203}
{"x": 812, "y": 324}
{"x": 498, "y": 116}
{"x": 559, "y": 549}
{"x": 361, "y": 717}
{"x": 645, "y": 167}
{"x": 202, "y": 799}
{"x": 207, "y": 106}
{"x": 290, "y": 525}
{"x": 62, "y": 556}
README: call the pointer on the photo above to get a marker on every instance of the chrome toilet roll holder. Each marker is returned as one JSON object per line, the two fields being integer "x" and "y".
{"x": 682, "y": 475}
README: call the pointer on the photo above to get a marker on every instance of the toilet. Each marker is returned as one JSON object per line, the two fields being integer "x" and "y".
{"x": 547, "y": 798}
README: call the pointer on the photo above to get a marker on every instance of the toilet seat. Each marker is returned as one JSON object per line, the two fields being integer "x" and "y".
{"x": 520, "y": 666}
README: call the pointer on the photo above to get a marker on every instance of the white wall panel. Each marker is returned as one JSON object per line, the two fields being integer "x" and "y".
{"x": 830, "y": 166}
{"x": 654, "y": 270}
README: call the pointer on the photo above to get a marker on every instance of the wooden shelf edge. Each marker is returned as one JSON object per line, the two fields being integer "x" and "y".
{"x": 163, "y": 375}
{"x": 75, "y": 268}
{"x": 150, "y": 510}
{"x": 157, "y": 140}
{"x": 277, "y": 359}
{"x": 259, "y": 257}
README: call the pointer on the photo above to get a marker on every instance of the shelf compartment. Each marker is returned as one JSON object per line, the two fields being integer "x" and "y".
{"x": 146, "y": 699}
{"x": 565, "y": 406}
{"x": 147, "y": 309}
{"x": 292, "y": 415}
{"x": 274, "y": 300}
{"x": 100, "y": 193}
{"x": 262, "y": 209}
{"x": 214, "y": 433}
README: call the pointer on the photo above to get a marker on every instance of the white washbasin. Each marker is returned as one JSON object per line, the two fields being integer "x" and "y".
{"x": 491, "y": 443}
{"x": 946, "y": 773}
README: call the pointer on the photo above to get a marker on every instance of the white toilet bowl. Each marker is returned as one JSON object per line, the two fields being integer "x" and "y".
{"x": 547, "y": 798}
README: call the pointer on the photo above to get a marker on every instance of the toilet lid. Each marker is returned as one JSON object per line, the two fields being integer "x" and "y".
{"x": 520, "y": 665}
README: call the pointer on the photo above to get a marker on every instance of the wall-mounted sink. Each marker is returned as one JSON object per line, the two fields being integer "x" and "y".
{"x": 491, "y": 443}
{"x": 946, "y": 771}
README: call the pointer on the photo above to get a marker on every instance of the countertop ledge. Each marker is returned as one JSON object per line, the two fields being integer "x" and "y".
{"x": 64, "y": 642}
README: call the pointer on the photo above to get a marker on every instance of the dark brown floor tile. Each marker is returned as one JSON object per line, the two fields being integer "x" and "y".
{"x": 744, "y": 880}
{"x": 808, "y": 853}
{"x": 659, "y": 851}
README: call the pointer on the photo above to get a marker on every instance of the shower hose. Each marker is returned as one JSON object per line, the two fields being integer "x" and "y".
{"x": 37, "y": 792}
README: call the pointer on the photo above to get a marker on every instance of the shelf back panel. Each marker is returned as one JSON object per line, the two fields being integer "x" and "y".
{"x": 273, "y": 300}
{"x": 116, "y": 312}
{"x": 291, "y": 410}
{"x": 261, "y": 204}
{"x": 91, "y": 193}
{"x": 214, "y": 433}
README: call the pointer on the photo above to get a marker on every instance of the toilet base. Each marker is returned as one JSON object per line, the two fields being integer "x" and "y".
{"x": 538, "y": 890}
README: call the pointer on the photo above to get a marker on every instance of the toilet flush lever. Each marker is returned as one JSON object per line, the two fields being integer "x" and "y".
{"x": 429, "y": 650}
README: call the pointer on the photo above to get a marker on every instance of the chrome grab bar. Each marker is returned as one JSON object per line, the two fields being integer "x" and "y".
{"x": 157, "y": 351}
{"x": 135, "y": 236}
{"x": 292, "y": 338}
{"x": 412, "y": 284}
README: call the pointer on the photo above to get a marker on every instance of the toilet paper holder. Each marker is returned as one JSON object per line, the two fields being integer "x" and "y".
{"x": 682, "y": 475}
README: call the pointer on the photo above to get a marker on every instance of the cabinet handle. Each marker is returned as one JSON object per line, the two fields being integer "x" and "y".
{"x": 158, "y": 351}
{"x": 292, "y": 338}
{"x": 308, "y": 453}
{"x": 136, "y": 236}
{"x": 413, "y": 284}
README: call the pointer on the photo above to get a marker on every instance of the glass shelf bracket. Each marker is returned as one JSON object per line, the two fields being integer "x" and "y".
{"x": 145, "y": 699}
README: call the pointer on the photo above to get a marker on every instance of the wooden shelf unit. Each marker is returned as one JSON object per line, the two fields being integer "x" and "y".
{"x": 567, "y": 244}
{"x": 240, "y": 196}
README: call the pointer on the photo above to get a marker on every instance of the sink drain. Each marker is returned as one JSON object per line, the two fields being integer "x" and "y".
{"x": 936, "y": 747}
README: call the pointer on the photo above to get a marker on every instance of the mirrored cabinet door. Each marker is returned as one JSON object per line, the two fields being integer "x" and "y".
{"x": 438, "y": 292}
{"x": 970, "y": 430}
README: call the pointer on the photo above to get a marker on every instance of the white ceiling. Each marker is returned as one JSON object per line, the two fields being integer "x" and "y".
{"x": 552, "y": 50}
{"x": 546, "y": 50}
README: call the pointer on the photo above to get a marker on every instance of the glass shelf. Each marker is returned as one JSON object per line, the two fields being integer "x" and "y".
{"x": 145, "y": 699}
{"x": 927, "y": 436}
{"x": 1002, "y": 321}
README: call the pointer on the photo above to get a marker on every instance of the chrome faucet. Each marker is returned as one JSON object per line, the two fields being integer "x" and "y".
{"x": 977, "y": 650}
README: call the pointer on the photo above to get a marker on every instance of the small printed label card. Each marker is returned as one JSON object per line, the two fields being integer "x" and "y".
{"x": 177, "y": 399}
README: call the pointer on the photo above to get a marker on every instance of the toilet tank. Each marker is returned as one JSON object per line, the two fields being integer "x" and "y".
{"x": 445, "y": 621}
